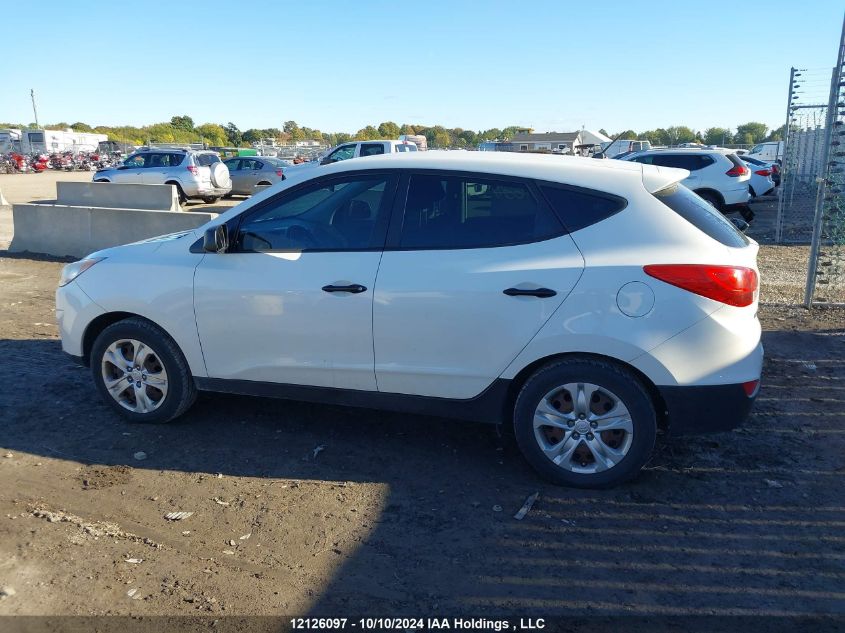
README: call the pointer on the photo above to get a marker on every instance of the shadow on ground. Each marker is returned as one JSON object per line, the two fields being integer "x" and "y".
{"x": 748, "y": 522}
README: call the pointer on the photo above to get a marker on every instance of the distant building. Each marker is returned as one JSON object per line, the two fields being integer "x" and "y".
{"x": 557, "y": 142}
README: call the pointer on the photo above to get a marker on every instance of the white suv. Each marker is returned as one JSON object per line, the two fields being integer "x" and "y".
{"x": 718, "y": 176}
{"x": 587, "y": 303}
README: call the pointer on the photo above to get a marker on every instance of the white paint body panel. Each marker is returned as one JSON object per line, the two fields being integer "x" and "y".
{"x": 442, "y": 324}
{"x": 265, "y": 317}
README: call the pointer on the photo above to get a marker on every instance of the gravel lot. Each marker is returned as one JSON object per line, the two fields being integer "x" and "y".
{"x": 408, "y": 514}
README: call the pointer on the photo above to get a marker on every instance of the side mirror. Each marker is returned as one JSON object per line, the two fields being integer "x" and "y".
{"x": 327, "y": 161}
{"x": 216, "y": 239}
{"x": 740, "y": 224}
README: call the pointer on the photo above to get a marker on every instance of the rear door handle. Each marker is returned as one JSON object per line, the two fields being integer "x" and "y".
{"x": 543, "y": 293}
{"x": 353, "y": 288}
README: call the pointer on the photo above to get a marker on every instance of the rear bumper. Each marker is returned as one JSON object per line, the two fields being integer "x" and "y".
{"x": 706, "y": 408}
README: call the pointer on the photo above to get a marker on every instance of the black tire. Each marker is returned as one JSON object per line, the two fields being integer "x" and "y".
{"x": 711, "y": 198}
{"x": 210, "y": 199}
{"x": 607, "y": 376}
{"x": 183, "y": 199}
{"x": 181, "y": 391}
{"x": 101, "y": 180}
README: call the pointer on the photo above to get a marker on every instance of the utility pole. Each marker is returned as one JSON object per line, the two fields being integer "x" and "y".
{"x": 34, "y": 111}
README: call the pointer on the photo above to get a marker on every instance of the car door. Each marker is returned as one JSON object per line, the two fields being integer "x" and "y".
{"x": 344, "y": 152}
{"x": 474, "y": 266}
{"x": 234, "y": 165}
{"x": 132, "y": 170}
{"x": 291, "y": 302}
{"x": 159, "y": 168}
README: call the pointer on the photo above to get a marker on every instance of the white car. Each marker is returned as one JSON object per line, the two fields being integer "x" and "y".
{"x": 590, "y": 304}
{"x": 716, "y": 175}
{"x": 761, "y": 182}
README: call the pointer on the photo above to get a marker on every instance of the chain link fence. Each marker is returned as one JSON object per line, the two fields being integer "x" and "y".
{"x": 803, "y": 155}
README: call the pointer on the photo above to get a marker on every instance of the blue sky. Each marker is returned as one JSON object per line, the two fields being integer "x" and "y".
{"x": 338, "y": 66}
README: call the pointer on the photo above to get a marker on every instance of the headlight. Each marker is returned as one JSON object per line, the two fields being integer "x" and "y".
{"x": 72, "y": 271}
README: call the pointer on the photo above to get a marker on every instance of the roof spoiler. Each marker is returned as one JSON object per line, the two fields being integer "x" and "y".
{"x": 656, "y": 178}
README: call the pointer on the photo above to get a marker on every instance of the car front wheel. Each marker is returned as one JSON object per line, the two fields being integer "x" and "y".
{"x": 141, "y": 372}
{"x": 585, "y": 423}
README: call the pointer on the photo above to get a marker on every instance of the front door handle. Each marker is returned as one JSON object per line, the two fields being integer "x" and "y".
{"x": 543, "y": 293}
{"x": 353, "y": 288}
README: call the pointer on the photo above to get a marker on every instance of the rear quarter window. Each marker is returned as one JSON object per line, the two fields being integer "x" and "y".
{"x": 701, "y": 215}
{"x": 579, "y": 208}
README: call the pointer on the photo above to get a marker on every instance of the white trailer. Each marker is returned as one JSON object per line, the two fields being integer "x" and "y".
{"x": 33, "y": 141}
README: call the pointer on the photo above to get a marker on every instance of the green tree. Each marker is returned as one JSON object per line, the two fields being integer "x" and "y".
{"x": 212, "y": 134}
{"x": 603, "y": 131}
{"x": 183, "y": 122}
{"x": 292, "y": 129}
{"x": 233, "y": 135}
{"x": 778, "y": 134}
{"x": 751, "y": 132}
{"x": 407, "y": 129}
{"x": 368, "y": 133}
{"x": 625, "y": 134}
{"x": 389, "y": 130}
{"x": 680, "y": 134}
{"x": 718, "y": 136}
{"x": 81, "y": 127}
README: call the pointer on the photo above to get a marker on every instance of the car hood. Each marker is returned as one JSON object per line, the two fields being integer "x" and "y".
{"x": 148, "y": 246}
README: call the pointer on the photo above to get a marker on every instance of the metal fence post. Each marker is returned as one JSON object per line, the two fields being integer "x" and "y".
{"x": 818, "y": 217}
{"x": 779, "y": 219}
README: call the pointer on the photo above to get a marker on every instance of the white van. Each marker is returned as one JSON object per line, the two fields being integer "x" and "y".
{"x": 769, "y": 152}
{"x": 621, "y": 146}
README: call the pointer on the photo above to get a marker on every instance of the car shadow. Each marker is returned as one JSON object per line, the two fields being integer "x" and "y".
{"x": 700, "y": 532}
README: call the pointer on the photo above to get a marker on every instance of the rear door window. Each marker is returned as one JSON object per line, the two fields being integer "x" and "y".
{"x": 701, "y": 215}
{"x": 450, "y": 212}
{"x": 691, "y": 162}
{"x": 371, "y": 149}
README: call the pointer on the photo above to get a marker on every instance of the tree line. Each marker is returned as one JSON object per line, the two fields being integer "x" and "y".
{"x": 182, "y": 129}
{"x": 745, "y": 134}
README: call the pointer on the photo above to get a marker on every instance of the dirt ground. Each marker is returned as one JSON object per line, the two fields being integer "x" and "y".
{"x": 308, "y": 509}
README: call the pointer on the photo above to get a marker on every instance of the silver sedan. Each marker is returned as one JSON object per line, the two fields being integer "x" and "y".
{"x": 252, "y": 173}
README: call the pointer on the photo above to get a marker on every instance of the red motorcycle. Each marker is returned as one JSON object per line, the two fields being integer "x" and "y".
{"x": 40, "y": 163}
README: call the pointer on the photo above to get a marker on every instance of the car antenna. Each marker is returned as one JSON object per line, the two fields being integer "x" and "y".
{"x": 601, "y": 153}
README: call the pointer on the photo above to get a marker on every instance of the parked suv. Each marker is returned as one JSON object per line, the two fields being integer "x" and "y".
{"x": 195, "y": 173}
{"x": 719, "y": 177}
{"x": 587, "y": 303}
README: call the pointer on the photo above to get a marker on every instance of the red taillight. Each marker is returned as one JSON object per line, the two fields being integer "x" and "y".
{"x": 738, "y": 170}
{"x": 194, "y": 170}
{"x": 763, "y": 172}
{"x": 733, "y": 285}
{"x": 279, "y": 172}
{"x": 751, "y": 387}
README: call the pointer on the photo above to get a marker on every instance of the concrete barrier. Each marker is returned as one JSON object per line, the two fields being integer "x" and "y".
{"x": 76, "y": 231}
{"x": 3, "y": 201}
{"x": 112, "y": 195}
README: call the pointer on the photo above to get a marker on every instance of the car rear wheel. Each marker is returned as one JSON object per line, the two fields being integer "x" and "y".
{"x": 585, "y": 423}
{"x": 141, "y": 373}
{"x": 210, "y": 199}
{"x": 183, "y": 199}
